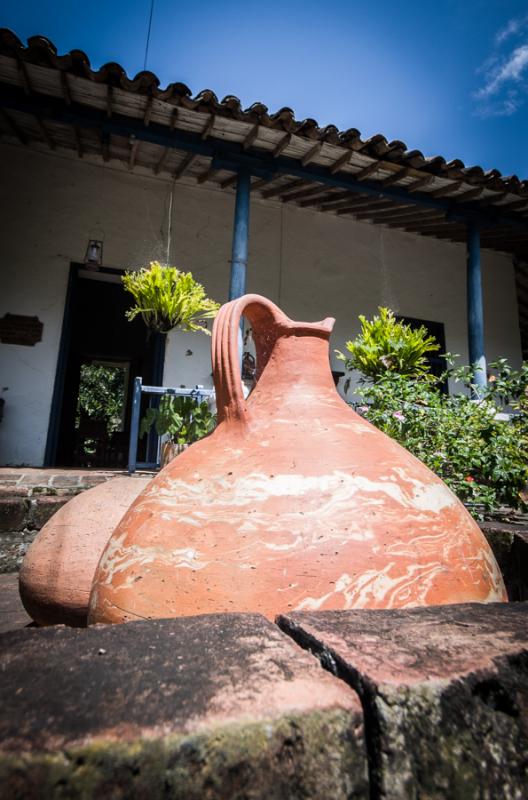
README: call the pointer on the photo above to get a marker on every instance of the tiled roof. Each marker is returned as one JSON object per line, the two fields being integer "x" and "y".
{"x": 38, "y": 71}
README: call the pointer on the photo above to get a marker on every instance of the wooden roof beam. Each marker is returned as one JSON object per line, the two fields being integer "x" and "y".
{"x": 397, "y": 176}
{"x": 367, "y": 171}
{"x": 283, "y": 188}
{"x": 341, "y": 199}
{"x": 185, "y": 164}
{"x": 163, "y": 160}
{"x": 134, "y": 145}
{"x": 208, "y": 127}
{"x": 310, "y": 191}
{"x": 105, "y": 145}
{"x": 469, "y": 195}
{"x": 13, "y": 127}
{"x": 312, "y": 153}
{"x": 109, "y": 100}
{"x": 402, "y": 222}
{"x": 331, "y": 195}
{"x": 45, "y": 133}
{"x": 420, "y": 183}
{"x": 207, "y": 175}
{"x": 390, "y": 214}
{"x": 26, "y": 81}
{"x": 446, "y": 190}
{"x": 367, "y": 203}
{"x": 66, "y": 91}
{"x": 341, "y": 162}
{"x": 250, "y": 138}
{"x": 282, "y": 145}
{"x": 148, "y": 111}
{"x": 174, "y": 118}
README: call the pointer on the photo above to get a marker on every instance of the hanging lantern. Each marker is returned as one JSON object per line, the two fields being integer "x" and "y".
{"x": 93, "y": 258}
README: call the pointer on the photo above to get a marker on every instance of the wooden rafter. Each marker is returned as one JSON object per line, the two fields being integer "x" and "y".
{"x": 363, "y": 204}
{"x": 250, "y": 138}
{"x": 402, "y": 222}
{"x": 45, "y": 133}
{"x": 420, "y": 183}
{"x": 163, "y": 160}
{"x": 319, "y": 201}
{"x": 26, "y": 81}
{"x": 227, "y": 182}
{"x": 312, "y": 153}
{"x": 367, "y": 171}
{"x": 446, "y": 190}
{"x": 469, "y": 195}
{"x": 185, "y": 164}
{"x": 387, "y": 214}
{"x": 341, "y": 162}
{"x": 132, "y": 155}
{"x": 13, "y": 127}
{"x": 284, "y": 187}
{"x": 65, "y": 85}
{"x": 397, "y": 176}
{"x": 208, "y": 127}
{"x": 337, "y": 198}
{"x": 174, "y": 118}
{"x": 309, "y": 191}
{"x": 207, "y": 175}
{"x": 109, "y": 100}
{"x": 282, "y": 145}
{"x": 148, "y": 111}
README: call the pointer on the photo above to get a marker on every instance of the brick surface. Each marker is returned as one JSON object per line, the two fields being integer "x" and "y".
{"x": 445, "y": 692}
{"x": 13, "y": 513}
{"x": 217, "y": 706}
{"x": 42, "y": 509}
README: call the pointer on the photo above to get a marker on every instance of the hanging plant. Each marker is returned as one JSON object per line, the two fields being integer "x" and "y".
{"x": 167, "y": 298}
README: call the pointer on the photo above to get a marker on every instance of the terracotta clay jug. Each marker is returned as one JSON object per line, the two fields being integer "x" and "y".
{"x": 294, "y": 502}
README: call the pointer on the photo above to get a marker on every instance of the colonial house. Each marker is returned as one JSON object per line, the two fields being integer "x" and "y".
{"x": 102, "y": 173}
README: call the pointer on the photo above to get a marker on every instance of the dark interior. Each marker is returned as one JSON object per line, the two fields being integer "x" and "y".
{"x": 99, "y": 333}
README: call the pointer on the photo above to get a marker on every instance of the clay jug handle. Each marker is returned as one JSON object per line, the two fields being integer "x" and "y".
{"x": 267, "y": 321}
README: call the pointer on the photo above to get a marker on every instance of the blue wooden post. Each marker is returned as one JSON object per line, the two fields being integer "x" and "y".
{"x": 239, "y": 252}
{"x": 134, "y": 425}
{"x": 477, "y": 357}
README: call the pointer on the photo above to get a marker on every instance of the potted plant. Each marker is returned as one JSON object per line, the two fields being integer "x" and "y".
{"x": 167, "y": 298}
{"x": 180, "y": 421}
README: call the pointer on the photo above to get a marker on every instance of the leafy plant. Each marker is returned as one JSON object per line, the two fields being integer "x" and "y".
{"x": 101, "y": 395}
{"x": 182, "y": 418}
{"x": 388, "y": 345}
{"x": 477, "y": 453}
{"x": 167, "y": 298}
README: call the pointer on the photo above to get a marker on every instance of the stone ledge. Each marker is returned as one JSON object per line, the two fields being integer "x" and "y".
{"x": 217, "y": 706}
{"x": 445, "y": 694}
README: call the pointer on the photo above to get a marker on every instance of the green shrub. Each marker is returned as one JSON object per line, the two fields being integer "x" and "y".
{"x": 482, "y": 457}
{"x": 387, "y": 345}
{"x": 182, "y": 418}
{"x": 167, "y": 298}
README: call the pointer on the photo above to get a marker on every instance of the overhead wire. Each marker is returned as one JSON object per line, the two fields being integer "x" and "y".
{"x": 148, "y": 34}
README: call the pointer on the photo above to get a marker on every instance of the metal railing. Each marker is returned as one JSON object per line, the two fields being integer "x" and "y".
{"x": 199, "y": 393}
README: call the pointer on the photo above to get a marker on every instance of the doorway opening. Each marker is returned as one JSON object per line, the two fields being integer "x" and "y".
{"x": 100, "y": 355}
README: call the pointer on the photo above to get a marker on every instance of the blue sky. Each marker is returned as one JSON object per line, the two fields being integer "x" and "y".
{"x": 448, "y": 77}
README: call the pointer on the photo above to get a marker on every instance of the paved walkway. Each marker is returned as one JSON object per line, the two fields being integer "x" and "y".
{"x": 28, "y": 478}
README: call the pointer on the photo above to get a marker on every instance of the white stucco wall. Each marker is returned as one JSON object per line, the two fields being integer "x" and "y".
{"x": 312, "y": 265}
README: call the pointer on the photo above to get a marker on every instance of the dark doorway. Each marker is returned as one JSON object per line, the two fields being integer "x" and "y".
{"x": 436, "y": 360}
{"x": 100, "y": 354}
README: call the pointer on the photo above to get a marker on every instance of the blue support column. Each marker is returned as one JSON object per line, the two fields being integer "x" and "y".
{"x": 239, "y": 252}
{"x": 477, "y": 356}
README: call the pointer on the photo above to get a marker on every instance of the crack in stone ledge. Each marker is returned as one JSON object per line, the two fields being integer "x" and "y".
{"x": 332, "y": 662}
